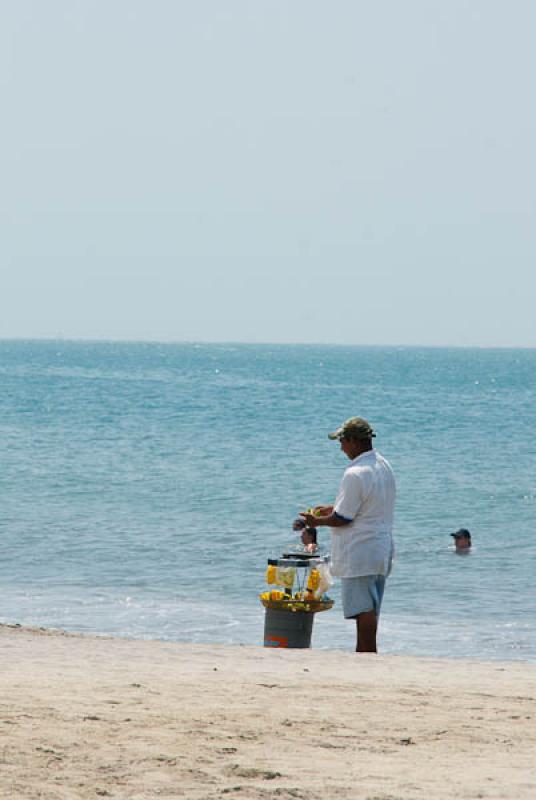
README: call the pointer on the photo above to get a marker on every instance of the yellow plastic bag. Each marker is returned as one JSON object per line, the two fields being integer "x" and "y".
{"x": 285, "y": 576}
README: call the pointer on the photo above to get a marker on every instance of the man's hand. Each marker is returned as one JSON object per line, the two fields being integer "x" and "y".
{"x": 326, "y": 517}
{"x": 322, "y": 511}
{"x": 312, "y": 515}
{"x": 310, "y": 520}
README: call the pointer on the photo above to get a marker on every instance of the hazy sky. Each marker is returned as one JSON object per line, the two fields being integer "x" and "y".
{"x": 269, "y": 170}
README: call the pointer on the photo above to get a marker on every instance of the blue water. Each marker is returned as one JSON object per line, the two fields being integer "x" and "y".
{"x": 143, "y": 486}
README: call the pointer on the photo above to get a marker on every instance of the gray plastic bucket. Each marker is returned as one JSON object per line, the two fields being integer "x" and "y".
{"x": 288, "y": 628}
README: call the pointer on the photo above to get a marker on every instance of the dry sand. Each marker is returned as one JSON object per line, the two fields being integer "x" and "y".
{"x": 89, "y": 717}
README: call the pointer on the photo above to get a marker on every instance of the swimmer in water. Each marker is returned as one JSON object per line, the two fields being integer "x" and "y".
{"x": 462, "y": 540}
{"x": 308, "y": 535}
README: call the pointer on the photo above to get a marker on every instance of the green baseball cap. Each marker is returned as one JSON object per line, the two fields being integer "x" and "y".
{"x": 353, "y": 428}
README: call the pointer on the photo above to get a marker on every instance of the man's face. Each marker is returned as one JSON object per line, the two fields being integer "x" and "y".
{"x": 308, "y": 537}
{"x": 462, "y": 543}
{"x": 350, "y": 447}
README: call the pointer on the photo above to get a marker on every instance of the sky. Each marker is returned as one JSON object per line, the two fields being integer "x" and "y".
{"x": 269, "y": 171}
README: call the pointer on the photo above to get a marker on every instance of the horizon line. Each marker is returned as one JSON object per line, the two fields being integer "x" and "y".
{"x": 235, "y": 343}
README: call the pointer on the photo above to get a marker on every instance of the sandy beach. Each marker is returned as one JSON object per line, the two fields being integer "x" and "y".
{"x": 87, "y": 717}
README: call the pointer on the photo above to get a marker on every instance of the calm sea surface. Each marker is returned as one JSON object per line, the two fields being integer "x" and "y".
{"x": 143, "y": 486}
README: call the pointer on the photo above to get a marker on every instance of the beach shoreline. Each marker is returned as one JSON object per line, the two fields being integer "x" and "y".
{"x": 97, "y": 716}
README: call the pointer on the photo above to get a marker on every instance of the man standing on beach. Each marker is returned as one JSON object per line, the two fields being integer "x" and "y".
{"x": 361, "y": 523}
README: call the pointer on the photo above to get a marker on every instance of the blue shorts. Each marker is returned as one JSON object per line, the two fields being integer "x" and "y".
{"x": 361, "y": 594}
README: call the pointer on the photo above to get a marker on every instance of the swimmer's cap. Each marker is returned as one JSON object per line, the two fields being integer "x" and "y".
{"x": 462, "y": 533}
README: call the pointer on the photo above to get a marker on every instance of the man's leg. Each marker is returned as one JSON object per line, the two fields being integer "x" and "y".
{"x": 367, "y": 625}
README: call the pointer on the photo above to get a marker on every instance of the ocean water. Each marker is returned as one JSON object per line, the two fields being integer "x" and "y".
{"x": 144, "y": 485}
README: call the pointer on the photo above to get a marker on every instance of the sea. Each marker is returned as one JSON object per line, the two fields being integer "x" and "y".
{"x": 143, "y": 487}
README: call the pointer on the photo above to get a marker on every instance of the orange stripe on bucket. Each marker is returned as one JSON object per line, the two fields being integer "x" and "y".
{"x": 276, "y": 641}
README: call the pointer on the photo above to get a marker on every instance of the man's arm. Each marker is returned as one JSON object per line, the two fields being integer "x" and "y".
{"x": 332, "y": 520}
